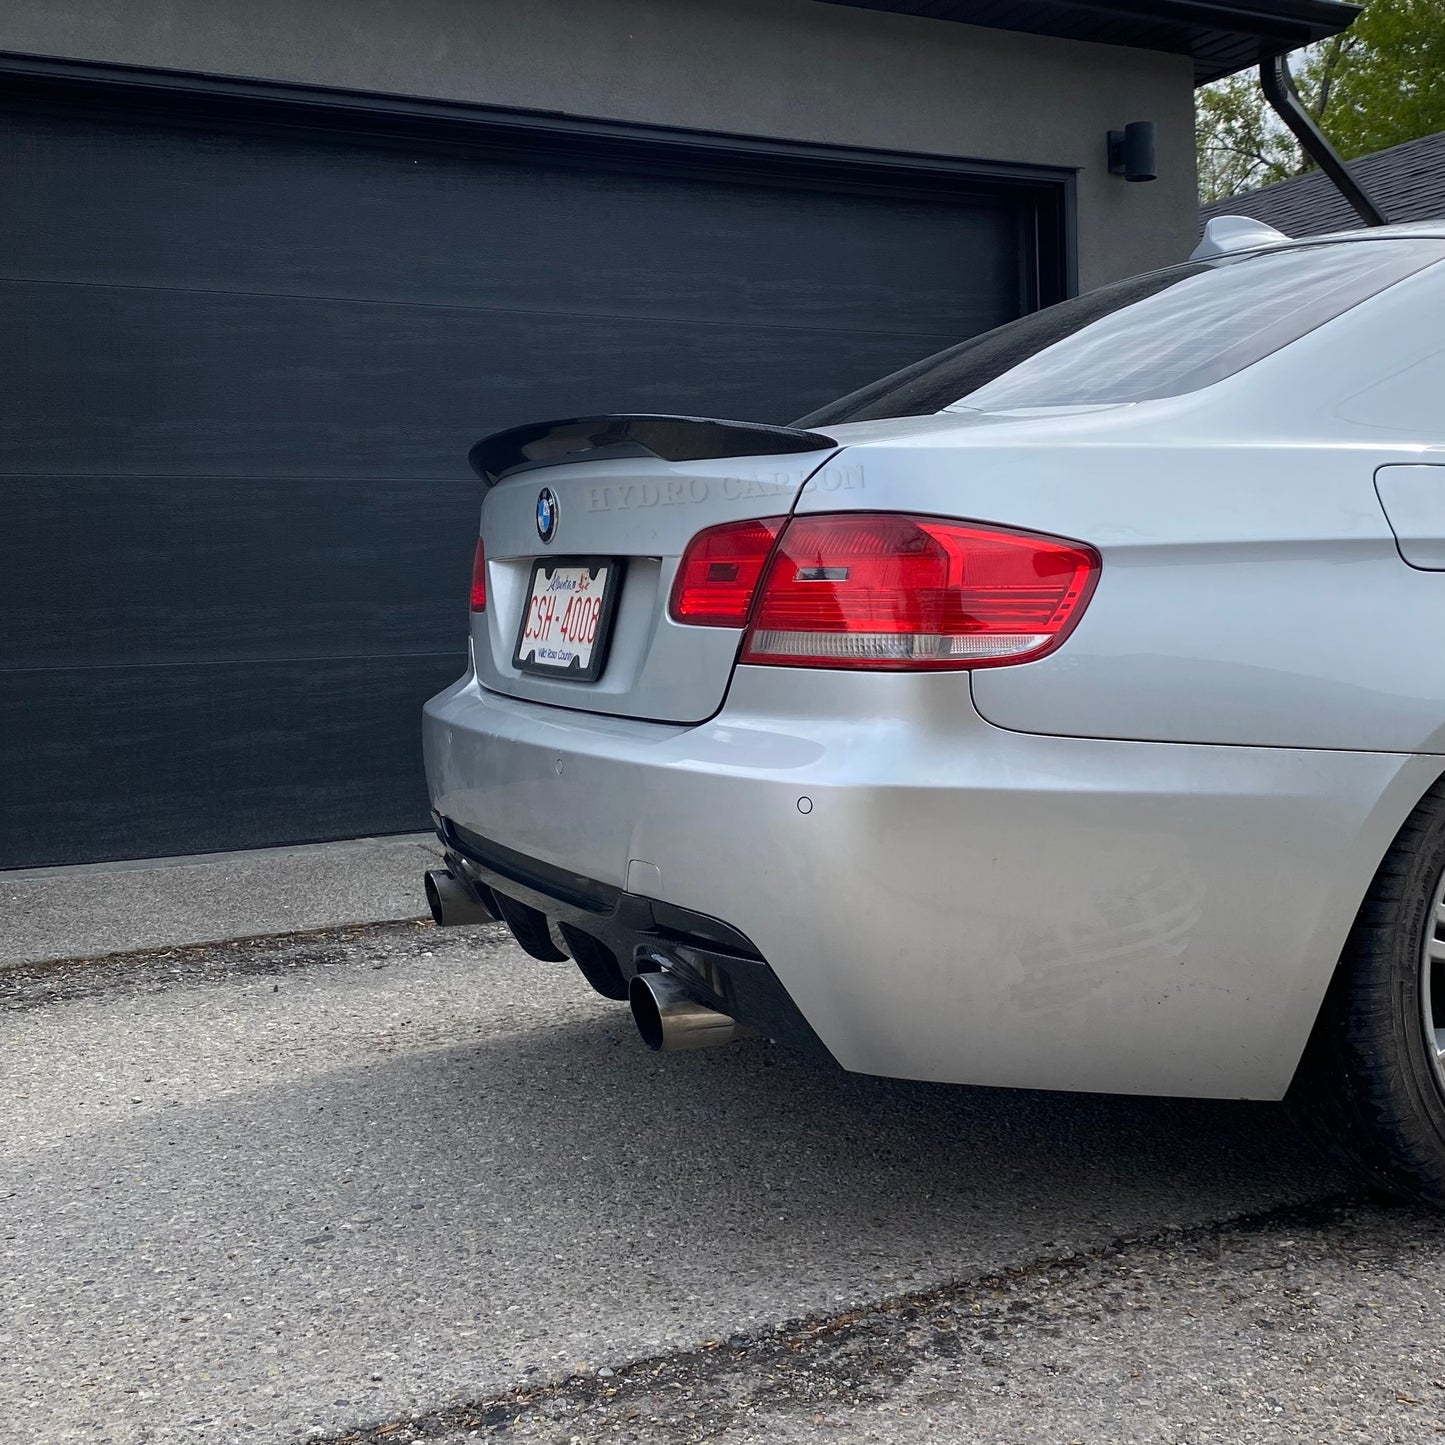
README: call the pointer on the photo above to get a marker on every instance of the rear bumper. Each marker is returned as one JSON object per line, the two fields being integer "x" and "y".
{"x": 547, "y": 907}
{"x": 942, "y": 899}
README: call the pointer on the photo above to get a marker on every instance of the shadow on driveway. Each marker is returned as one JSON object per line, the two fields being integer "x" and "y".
{"x": 390, "y": 1190}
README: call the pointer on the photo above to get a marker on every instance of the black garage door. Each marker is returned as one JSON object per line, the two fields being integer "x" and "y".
{"x": 243, "y": 364}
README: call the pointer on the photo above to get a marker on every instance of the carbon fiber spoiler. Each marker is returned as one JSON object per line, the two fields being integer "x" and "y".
{"x": 669, "y": 438}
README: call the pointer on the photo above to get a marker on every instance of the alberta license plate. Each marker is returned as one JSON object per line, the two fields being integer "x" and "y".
{"x": 568, "y": 617}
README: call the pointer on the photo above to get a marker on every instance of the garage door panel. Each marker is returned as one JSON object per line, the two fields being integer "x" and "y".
{"x": 188, "y": 569}
{"x": 157, "y": 382}
{"x": 193, "y": 759}
{"x": 181, "y": 209}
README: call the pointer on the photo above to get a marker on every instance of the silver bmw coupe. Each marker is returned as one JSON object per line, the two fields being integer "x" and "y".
{"x": 1065, "y": 711}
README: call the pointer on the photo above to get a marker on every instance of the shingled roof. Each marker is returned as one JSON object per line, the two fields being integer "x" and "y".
{"x": 1407, "y": 182}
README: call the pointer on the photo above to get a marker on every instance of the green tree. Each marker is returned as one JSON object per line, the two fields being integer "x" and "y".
{"x": 1389, "y": 85}
{"x": 1377, "y": 84}
{"x": 1239, "y": 141}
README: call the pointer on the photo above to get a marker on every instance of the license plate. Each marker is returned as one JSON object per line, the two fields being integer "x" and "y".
{"x": 568, "y": 617}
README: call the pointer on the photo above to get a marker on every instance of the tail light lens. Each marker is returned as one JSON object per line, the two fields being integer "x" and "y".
{"x": 863, "y": 590}
{"x": 717, "y": 578}
{"x": 479, "y": 578}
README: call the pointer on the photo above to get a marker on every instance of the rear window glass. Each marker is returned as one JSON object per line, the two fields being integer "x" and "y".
{"x": 1157, "y": 335}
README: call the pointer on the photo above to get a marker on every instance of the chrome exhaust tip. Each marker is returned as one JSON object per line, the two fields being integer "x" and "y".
{"x": 670, "y": 1019}
{"x": 452, "y": 902}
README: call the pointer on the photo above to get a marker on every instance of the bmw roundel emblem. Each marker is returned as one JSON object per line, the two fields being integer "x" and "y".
{"x": 547, "y": 510}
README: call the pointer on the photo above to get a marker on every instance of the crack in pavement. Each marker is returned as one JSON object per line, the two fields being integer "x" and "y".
{"x": 36, "y": 985}
{"x": 808, "y": 1372}
{"x": 285, "y": 1184}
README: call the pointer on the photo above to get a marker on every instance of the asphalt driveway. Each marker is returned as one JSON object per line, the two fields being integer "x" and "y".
{"x": 296, "y": 1187}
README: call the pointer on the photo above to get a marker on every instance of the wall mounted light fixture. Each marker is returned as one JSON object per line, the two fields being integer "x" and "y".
{"x": 1131, "y": 151}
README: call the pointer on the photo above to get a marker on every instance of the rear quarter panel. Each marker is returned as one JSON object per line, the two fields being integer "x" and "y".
{"x": 1252, "y": 591}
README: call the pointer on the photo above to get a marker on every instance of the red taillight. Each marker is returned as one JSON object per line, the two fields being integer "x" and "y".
{"x": 719, "y": 572}
{"x": 866, "y": 590}
{"x": 479, "y": 578}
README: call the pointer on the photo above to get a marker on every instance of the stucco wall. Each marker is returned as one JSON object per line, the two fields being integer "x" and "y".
{"x": 797, "y": 69}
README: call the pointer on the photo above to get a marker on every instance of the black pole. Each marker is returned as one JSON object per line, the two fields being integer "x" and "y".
{"x": 1279, "y": 91}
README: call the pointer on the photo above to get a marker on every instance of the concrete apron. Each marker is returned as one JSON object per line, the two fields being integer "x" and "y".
{"x": 103, "y": 908}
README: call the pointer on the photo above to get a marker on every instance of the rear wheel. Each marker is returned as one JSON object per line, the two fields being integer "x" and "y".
{"x": 1372, "y": 1083}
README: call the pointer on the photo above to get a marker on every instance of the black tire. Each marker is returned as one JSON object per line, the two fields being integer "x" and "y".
{"x": 1368, "y": 1086}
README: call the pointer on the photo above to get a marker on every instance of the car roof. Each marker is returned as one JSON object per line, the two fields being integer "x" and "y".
{"x": 1373, "y": 233}
{"x": 1237, "y": 236}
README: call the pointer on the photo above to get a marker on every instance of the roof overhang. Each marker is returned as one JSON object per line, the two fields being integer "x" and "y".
{"x": 1221, "y": 37}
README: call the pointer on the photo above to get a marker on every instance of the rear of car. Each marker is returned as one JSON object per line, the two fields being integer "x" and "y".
{"x": 867, "y": 733}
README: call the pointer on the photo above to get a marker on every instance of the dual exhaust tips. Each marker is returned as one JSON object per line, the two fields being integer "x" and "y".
{"x": 668, "y": 1018}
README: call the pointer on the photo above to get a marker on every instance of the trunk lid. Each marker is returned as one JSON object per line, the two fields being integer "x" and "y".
{"x": 629, "y": 493}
